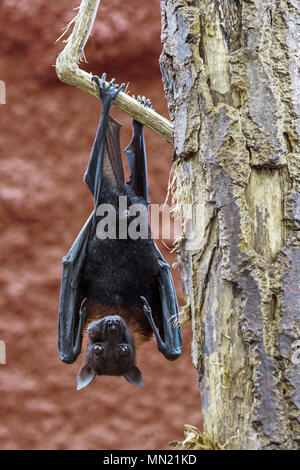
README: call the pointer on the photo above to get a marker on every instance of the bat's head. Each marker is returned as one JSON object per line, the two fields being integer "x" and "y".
{"x": 110, "y": 351}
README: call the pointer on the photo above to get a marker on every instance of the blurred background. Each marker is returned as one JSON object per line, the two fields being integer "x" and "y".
{"x": 46, "y": 134}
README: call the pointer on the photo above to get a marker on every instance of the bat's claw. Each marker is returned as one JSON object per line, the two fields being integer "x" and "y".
{"x": 96, "y": 79}
{"x": 82, "y": 311}
{"x": 109, "y": 93}
{"x": 146, "y": 307}
{"x": 144, "y": 101}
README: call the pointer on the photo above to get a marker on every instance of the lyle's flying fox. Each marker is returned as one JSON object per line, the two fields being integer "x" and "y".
{"x": 118, "y": 290}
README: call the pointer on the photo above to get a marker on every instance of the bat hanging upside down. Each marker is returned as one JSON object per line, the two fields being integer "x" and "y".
{"x": 116, "y": 287}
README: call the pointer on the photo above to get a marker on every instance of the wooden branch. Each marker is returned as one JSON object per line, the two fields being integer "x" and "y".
{"x": 68, "y": 72}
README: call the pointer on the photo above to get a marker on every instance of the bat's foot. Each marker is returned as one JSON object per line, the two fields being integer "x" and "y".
{"x": 144, "y": 101}
{"x": 107, "y": 93}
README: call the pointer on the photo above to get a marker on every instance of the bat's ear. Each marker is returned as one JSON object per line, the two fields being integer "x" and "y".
{"x": 134, "y": 376}
{"x": 85, "y": 376}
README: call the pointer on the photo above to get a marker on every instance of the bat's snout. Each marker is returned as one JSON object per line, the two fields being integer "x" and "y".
{"x": 109, "y": 325}
{"x": 113, "y": 323}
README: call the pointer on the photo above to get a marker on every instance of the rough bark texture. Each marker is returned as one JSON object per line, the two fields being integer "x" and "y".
{"x": 46, "y": 135}
{"x": 230, "y": 71}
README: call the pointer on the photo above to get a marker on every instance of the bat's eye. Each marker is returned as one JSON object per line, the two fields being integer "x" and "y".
{"x": 124, "y": 350}
{"x": 98, "y": 348}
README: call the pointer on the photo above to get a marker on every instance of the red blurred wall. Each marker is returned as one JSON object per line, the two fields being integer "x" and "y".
{"x": 46, "y": 133}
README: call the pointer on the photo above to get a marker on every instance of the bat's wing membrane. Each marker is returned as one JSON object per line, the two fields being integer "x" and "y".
{"x": 136, "y": 156}
{"x": 168, "y": 334}
{"x": 70, "y": 316}
{"x": 171, "y": 344}
{"x": 169, "y": 339}
{"x": 109, "y": 165}
{"x": 105, "y": 161}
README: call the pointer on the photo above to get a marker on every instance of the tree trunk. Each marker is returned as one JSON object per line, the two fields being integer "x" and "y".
{"x": 231, "y": 76}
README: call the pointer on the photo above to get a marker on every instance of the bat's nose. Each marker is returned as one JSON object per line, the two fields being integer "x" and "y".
{"x": 113, "y": 323}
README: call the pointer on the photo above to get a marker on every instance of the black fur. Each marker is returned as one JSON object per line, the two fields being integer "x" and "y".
{"x": 110, "y": 335}
{"x": 123, "y": 280}
{"x": 119, "y": 272}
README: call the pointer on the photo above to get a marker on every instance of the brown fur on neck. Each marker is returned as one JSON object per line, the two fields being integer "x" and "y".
{"x": 134, "y": 318}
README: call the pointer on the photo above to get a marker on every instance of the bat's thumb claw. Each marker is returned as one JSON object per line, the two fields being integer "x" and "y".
{"x": 146, "y": 305}
{"x": 82, "y": 310}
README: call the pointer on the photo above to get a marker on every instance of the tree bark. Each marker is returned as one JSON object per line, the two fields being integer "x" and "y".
{"x": 231, "y": 76}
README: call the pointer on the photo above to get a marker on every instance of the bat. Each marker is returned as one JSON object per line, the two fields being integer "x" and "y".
{"x": 116, "y": 287}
